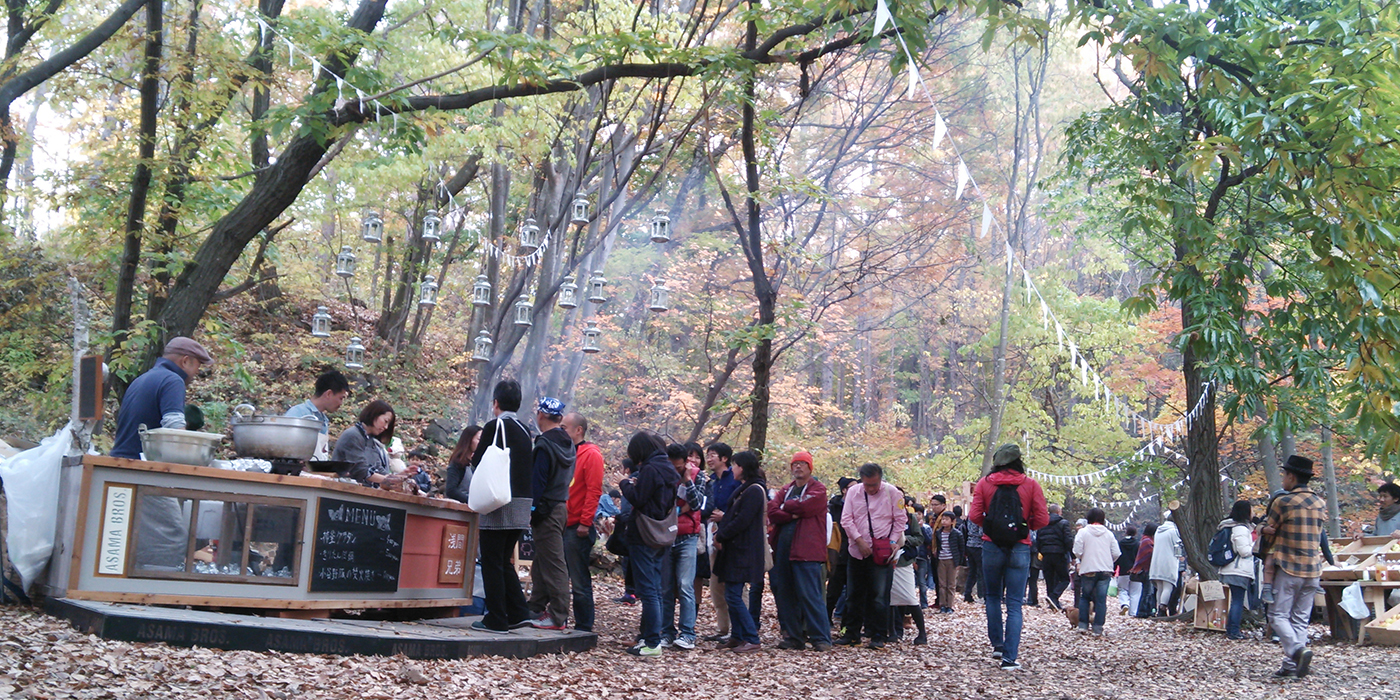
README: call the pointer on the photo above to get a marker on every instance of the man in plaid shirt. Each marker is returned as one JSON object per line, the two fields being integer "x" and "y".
{"x": 1295, "y": 523}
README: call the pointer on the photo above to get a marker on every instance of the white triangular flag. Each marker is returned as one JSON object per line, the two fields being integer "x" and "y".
{"x": 963, "y": 177}
{"x": 882, "y": 17}
{"x": 1044, "y": 313}
{"x": 1025, "y": 273}
{"x": 1059, "y": 336}
{"x": 940, "y": 129}
{"x": 1009, "y": 254}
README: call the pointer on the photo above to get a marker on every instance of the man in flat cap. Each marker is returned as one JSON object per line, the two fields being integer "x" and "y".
{"x": 157, "y": 398}
{"x": 1295, "y": 522}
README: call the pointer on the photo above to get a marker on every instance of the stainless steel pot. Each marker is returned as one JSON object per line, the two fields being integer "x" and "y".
{"x": 273, "y": 437}
{"x": 178, "y": 446}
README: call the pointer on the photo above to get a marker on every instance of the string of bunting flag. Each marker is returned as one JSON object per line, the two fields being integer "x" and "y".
{"x": 317, "y": 68}
{"x": 1152, "y": 449}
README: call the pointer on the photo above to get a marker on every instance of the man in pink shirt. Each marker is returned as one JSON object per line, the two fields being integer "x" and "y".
{"x": 874, "y": 521}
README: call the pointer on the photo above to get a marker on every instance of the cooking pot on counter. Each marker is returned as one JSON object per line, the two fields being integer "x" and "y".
{"x": 178, "y": 446}
{"x": 273, "y": 437}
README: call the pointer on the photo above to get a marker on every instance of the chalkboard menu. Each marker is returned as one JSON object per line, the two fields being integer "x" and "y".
{"x": 358, "y": 547}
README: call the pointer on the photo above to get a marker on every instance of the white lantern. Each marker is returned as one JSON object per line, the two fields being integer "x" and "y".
{"x": 481, "y": 291}
{"x": 568, "y": 294}
{"x": 591, "y": 336}
{"x": 355, "y": 354}
{"x": 595, "y": 288}
{"x": 481, "y": 347}
{"x": 345, "y": 263}
{"x": 530, "y": 236}
{"x": 660, "y": 297}
{"x": 432, "y": 224}
{"x": 321, "y": 323}
{"x": 660, "y": 227}
{"x": 580, "y": 211}
{"x": 427, "y": 295}
{"x": 524, "y": 309}
{"x": 372, "y": 229}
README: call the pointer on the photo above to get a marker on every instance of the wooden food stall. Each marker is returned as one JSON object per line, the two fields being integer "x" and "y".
{"x": 299, "y": 546}
{"x": 1373, "y": 563}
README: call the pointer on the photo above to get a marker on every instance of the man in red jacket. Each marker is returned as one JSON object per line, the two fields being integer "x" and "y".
{"x": 798, "y": 516}
{"x": 579, "y": 533}
{"x": 1006, "y": 565}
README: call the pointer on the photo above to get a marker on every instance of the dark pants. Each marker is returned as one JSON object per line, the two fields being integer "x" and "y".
{"x": 797, "y": 591}
{"x": 756, "y": 604}
{"x": 867, "y": 599}
{"x": 629, "y": 582}
{"x": 578, "y": 554}
{"x": 1237, "y": 600}
{"x": 974, "y": 574}
{"x": 505, "y": 600}
{"x": 741, "y": 623}
{"x": 646, "y": 567}
{"x": 1056, "y": 570}
{"x": 921, "y": 575}
{"x": 836, "y": 582}
{"x": 1032, "y": 582}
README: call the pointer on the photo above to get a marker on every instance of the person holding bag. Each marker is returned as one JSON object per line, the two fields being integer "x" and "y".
{"x": 741, "y": 540}
{"x": 874, "y": 520}
{"x": 652, "y": 493}
{"x": 503, "y": 442}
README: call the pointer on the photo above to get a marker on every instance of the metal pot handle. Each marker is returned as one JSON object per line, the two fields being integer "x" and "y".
{"x": 244, "y": 410}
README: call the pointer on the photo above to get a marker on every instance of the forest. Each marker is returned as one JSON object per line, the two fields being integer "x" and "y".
{"x": 1152, "y": 243}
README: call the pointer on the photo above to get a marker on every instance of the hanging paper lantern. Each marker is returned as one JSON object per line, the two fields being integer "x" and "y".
{"x": 481, "y": 347}
{"x": 372, "y": 228}
{"x": 355, "y": 354}
{"x": 595, "y": 288}
{"x": 321, "y": 323}
{"x": 481, "y": 291}
{"x": 530, "y": 236}
{"x": 660, "y": 297}
{"x": 660, "y": 227}
{"x": 591, "y": 336}
{"x": 345, "y": 263}
{"x": 579, "y": 217}
{"x": 524, "y": 309}
{"x": 427, "y": 295}
{"x": 568, "y": 294}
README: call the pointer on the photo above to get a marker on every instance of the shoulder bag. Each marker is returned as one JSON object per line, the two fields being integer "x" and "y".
{"x": 490, "y": 488}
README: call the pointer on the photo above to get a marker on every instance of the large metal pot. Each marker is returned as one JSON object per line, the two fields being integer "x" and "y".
{"x": 273, "y": 437}
{"x": 178, "y": 446}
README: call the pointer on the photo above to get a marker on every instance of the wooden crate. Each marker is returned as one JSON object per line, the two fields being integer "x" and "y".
{"x": 1350, "y": 573}
{"x": 1365, "y": 546}
{"x": 1381, "y": 635}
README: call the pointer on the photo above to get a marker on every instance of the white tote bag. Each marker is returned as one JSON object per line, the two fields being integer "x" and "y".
{"x": 490, "y": 487}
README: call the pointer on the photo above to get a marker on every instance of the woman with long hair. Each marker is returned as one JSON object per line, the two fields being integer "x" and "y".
{"x": 363, "y": 444}
{"x": 1239, "y": 573}
{"x": 459, "y": 465}
{"x": 740, "y": 542}
{"x": 652, "y": 493}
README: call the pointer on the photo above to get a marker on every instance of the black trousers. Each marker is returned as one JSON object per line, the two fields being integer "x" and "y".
{"x": 867, "y": 599}
{"x": 974, "y": 574}
{"x": 836, "y": 582}
{"x": 505, "y": 600}
{"x": 1056, "y": 569}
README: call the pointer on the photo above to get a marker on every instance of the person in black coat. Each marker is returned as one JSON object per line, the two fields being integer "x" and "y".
{"x": 741, "y": 542}
{"x": 1128, "y": 545}
{"x": 500, "y": 529}
{"x": 652, "y": 492}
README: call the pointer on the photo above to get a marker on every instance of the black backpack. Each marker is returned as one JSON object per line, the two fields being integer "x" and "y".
{"x": 1005, "y": 521}
{"x": 1222, "y": 552}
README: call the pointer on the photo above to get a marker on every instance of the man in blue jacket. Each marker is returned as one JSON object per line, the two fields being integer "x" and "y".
{"x": 156, "y": 399}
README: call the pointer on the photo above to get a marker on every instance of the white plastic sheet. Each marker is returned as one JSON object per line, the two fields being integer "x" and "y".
{"x": 31, "y": 492}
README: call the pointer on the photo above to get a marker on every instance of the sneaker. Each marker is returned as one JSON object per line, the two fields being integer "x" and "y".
{"x": 1266, "y": 594}
{"x": 997, "y": 654}
{"x": 715, "y": 638}
{"x": 790, "y": 643}
{"x": 875, "y": 644}
{"x": 545, "y": 622}
{"x": 685, "y": 643}
{"x": 821, "y": 646}
{"x": 747, "y": 648}
{"x": 1122, "y": 610}
{"x": 1009, "y": 665}
{"x": 1304, "y": 659}
{"x": 920, "y": 640}
{"x": 1097, "y": 632}
{"x": 527, "y": 622}
{"x": 847, "y": 641}
{"x": 1285, "y": 672}
{"x": 644, "y": 651}
{"x": 628, "y": 599}
{"x": 480, "y": 626}
{"x": 665, "y": 642}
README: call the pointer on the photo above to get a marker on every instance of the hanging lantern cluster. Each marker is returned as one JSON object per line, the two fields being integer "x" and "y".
{"x": 530, "y": 236}
{"x": 355, "y": 354}
{"x": 579, "y": 217}
{"x": 568, "y": 294}
{"x": 427, "y": 292}
{"x": 481, "y": 347}
{"x": 660, "y": 297}
{"x": 372, "y": 228}
{"x": 321, "y": 323}
{"x": 524, "y": 310}
{"x": 432, "y": 227}
{"x": 481, "y": 291}
{"x": 660, "y": 227}
{"x": 595, "y": 287}
{"x": 345, "y": 263}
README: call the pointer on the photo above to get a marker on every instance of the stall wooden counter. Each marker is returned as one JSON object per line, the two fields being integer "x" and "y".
{"x": 172, "y": 534}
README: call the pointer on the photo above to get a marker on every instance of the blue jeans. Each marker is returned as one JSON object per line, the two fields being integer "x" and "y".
{"x": 1238, "y": 596}
{"x": 797, "y": 591}
{"x": 1005, "y": 572}
{"x": 678, "y": 577}
{"x": 578, "y": 552}
{"x": 1093, "y": 592}
{"x": 646, "y": 571}
{"x": 741, "y": 624}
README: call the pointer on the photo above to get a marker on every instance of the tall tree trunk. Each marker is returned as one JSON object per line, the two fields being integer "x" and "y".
{"x": 764, "y": 292}
{"x": 1203, "y": 501}
{"x": 1329, "y": 472}
{"x": 998, "y": 407}
{"x": 1268, "y": 451}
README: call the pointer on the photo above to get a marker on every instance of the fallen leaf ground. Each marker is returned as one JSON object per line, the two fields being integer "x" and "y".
{"x": 42, "y": 657}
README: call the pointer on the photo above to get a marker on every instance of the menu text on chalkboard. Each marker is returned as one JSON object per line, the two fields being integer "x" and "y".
{"x": 358, "y": 547}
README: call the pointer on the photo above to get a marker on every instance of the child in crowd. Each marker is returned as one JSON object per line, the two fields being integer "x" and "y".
{"x": 951, "y": 550}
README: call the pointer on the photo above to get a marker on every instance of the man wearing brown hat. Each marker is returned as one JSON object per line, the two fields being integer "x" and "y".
{"x": 1295, "y": 523}
{"x": 157, "y": 398}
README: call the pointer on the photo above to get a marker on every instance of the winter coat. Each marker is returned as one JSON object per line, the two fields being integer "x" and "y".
{"x": 1242, "y": 539}
{"x": 554, "y": 468}
{"x": 1143, "y": 562}
{"x": 809, "y": 512}
{"x": 740, "y": 536}
{"x": 1164, "y": 562}
{"x": 1129, "y": 548}
{"x": 957, "y": 544}
{"x": 1055, "y": 538}
{"x": 1032, "y": 500}
{"x": 653, "y": 491}
{"x": 1096, "y": 549}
